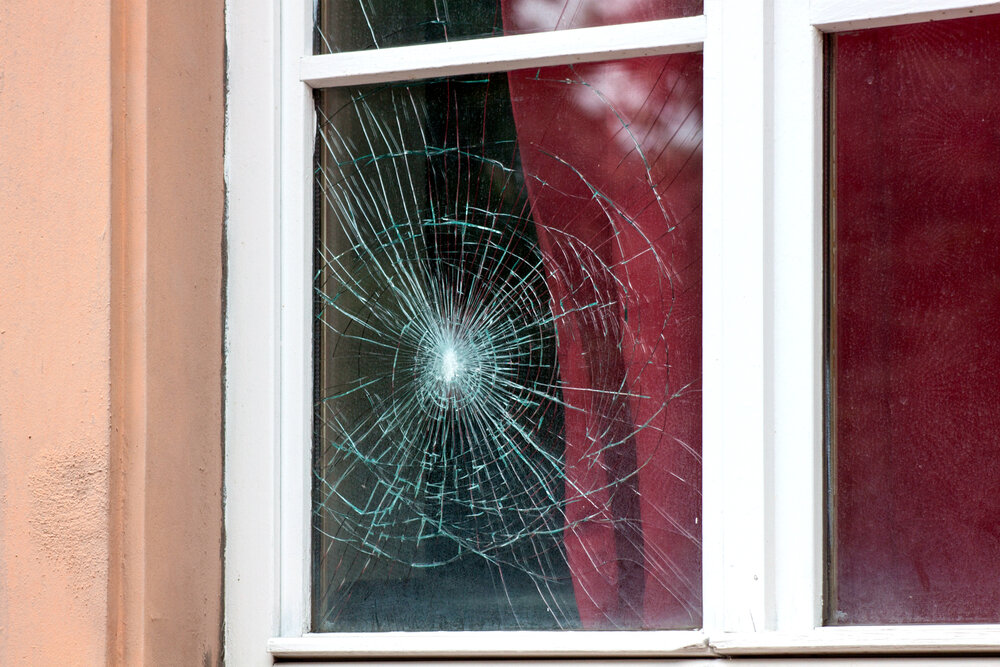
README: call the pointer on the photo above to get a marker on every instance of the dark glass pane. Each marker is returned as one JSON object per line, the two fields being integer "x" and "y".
{"x": 508, "y": 295}
{"x": 352, "y": 25}
{"x": 916, "y": 324}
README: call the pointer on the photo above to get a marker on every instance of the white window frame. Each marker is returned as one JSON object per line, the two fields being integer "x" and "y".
{"x": 762, "y": 328}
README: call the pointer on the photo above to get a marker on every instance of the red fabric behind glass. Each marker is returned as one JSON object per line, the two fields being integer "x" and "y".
{"x": 613, "y": 169}
{"x": 917, "y": 305}
{"x": 540, "y": 15}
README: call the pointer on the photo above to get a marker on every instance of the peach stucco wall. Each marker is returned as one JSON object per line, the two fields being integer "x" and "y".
{"x": 111, "y": 220}
{"x": 55, "y": 262}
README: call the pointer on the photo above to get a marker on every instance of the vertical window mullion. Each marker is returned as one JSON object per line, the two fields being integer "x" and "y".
{"x": 737, "y": 335}
{"x": 798, "y": 318}
{"x": 296, "y": 240}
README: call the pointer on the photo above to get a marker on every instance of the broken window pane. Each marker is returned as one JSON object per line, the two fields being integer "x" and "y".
{"x": 508, "y": 298}
{"x": 915, "y": 315}
{"x": 353, "y": 25}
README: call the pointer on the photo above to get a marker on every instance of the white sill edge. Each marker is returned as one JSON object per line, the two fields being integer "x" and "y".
{"x": 882, "y": 639}
{"x": 911, "y": 639}
{"x": 519, "y": 644}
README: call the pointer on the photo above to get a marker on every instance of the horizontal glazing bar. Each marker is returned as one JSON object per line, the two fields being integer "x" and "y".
{"x": 841, "y": 15}
{"x": 512, "y": 52}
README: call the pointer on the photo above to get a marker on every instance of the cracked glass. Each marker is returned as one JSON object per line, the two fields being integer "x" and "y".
{"x": 353, "y": 25}
{"x": 508, "y": 351}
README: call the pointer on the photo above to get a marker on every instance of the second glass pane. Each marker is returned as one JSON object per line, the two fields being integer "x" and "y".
{"x": 916, "y": 324}
{"x": 508, "y": 415}
{"x": 352, "y": 25}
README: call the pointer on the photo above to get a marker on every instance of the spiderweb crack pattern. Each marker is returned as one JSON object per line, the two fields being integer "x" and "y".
{"x": 443, "y": 301}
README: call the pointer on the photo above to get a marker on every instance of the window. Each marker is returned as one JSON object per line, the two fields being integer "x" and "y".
{"x": 762, "y": 513}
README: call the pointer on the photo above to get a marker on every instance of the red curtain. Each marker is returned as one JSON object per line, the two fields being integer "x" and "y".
{"x": 541, "y": 15}
{"x": 612, "y": 158}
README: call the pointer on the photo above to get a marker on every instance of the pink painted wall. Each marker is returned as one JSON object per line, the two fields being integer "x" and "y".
{"x": 185, "y": 198}
{"x": 111, "y": 219}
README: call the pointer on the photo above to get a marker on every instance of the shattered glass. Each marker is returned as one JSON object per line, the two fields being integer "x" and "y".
{"x": 508, "y": 351}
{"x": 354, "y": 25}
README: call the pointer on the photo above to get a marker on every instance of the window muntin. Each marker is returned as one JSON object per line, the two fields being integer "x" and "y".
{"x": 508, "y": 293}
{"x": 915, "y": 297}
{"x": 352, "y": 25}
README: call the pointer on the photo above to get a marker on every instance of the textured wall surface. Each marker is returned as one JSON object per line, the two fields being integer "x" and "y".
{"x": 55, "y": 162}
{"x": 111, "y": 219}
{"x": 183, "y": 490}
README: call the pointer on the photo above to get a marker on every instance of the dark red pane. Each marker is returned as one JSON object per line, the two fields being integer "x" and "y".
{"x": 916, "y": 324}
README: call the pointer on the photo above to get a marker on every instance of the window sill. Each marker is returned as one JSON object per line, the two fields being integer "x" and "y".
{"x": 857, "y": 640}
{"x": 451, "y": 645}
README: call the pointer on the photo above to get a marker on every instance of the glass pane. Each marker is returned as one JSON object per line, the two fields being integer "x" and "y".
{"x": 508, "y": 295}
{"x": 353, "y": 25}
{"x": 915, "y": 366}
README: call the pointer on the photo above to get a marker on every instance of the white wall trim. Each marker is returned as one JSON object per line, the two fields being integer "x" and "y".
{"x": 252, "y": 344}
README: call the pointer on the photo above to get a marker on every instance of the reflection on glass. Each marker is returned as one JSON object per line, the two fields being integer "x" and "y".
{"x": 508, "y": 294}
{"x": 915, "y": 302}
{"x": 352, "y": 25}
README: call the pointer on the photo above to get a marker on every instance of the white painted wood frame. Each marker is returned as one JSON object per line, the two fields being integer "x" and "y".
{"x": 497, "y": 54}
{"x": 298, "y": 131}
{"x": 762, "y": 328}
{"x": 839, "y": 15}
{"x": 795, "y": 249}
{"x": 495, "y": 645}
{"x": 252, "y": 332}
{"x": 736, "y": 444}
